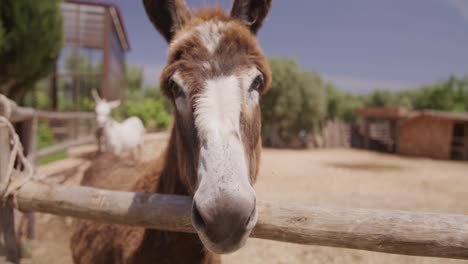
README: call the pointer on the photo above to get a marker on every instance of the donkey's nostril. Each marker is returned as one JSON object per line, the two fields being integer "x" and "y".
{"x": 197, "y": 218}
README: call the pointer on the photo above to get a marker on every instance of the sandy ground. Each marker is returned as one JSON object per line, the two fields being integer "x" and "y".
{"x": 341, "y": 177}
{"x": 351, "y": 178}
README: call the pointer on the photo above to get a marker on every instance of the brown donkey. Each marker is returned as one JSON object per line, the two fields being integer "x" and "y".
{"x": 214, "y": 76}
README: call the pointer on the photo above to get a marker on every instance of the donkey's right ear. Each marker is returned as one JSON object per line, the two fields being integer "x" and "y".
{"x": 167, "y": 16}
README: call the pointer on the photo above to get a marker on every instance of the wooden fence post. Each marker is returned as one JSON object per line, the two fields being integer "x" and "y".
{"x": 7, "y": 219}
{"x": 25, "y": 222}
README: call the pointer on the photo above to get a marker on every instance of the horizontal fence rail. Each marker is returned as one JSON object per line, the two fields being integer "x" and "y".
{"x": 19, "y": 113}
{"x": 31, "y": 116}
{"x": 398, "y": 232}
{"x": 25, "y": 113}
{"x": 64, "y": 146}
{"x": 65, "y": 115}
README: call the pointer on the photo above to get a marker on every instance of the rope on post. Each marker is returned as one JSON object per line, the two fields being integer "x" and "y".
{"x": 6, "y": 108}
{"x": 11, "y": 179}
{"x": 16, "y": 157}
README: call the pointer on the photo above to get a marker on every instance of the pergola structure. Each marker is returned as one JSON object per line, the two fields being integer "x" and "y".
{"x": 93, "y": 55}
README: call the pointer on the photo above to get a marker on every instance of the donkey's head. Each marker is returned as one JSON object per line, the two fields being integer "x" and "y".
{"x": 214, "y": 76}
{"x": 103, "y": 109}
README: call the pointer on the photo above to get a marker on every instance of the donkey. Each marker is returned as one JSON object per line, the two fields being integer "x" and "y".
{"x": 118, "y": 137}
{"x": 214, "y": 77}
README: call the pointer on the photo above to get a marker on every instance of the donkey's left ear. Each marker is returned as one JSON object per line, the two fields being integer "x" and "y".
{"x": 95, "y": 95}
{"x": 251, "y": 12}
{"x": 167, "y": 16}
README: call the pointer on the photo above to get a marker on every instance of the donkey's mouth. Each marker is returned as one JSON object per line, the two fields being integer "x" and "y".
{"x": 230, "y": 239}
{"x": 231, "y": 244}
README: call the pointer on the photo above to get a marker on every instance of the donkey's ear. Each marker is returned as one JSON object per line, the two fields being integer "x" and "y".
{"x": 167, "y": 16}
{"x": 95, "y": 95}
{"x": 251, "y": 12}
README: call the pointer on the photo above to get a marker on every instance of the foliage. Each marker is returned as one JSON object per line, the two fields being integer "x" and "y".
{"x": 386, "y": 98}
{"x": 295, "y": 103}
{"x": 447, "y": 95}
{"x": 150, "y": 107}
{"x": 146, "y": 102}
{"x": 44, "y": 135}
{"x": 53, "y": 157}
{"x": 341, "y": 105}
{"x": 134, "y": 78}
{"x": 30, "y": 42}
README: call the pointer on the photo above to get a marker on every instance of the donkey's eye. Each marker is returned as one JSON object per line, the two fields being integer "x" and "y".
{"x": 175, "y": 89}
{"x": 257, "y": 84}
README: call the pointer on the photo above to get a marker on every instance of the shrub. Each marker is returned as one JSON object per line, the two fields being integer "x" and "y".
{"x": 44, "y": 135}
{"x": 151, "y": 111}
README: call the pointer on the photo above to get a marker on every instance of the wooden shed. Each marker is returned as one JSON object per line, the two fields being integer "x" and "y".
{"x": 434, "y": 134}
{"x": 380, "y": 128}
{"x": 93, "y": 54}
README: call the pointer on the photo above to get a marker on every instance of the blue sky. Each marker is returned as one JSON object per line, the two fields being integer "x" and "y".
{"x": 360, "y": 45}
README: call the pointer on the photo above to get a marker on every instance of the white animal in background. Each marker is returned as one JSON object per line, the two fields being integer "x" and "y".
{"x": 118, "y": 137}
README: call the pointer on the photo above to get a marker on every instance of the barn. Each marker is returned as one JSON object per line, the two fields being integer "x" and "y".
{"x": 434, "y": 134}
{"x": 427, "y": 133}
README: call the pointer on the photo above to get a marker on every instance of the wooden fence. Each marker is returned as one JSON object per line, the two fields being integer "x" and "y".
{"x": 408, "y": 233}
{"x": 336, "y": 134}
{"x": 28, "y": 118}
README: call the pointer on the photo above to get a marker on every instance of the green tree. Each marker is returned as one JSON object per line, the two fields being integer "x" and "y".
{"x": 134, "y": 78}
{"x": 341, "y": 105}
{"x": 382, "y": 98}
{"x": 294, "y": 104}
{"x": 448, "y": 95}
{"x": 30, "y": 42}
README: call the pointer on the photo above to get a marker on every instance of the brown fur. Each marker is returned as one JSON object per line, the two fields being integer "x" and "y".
{"x": 175, "y": 171}
{"x": 93, "y": 242}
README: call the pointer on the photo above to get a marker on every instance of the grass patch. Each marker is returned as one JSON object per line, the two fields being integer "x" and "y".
{"x": 53, "y": 157}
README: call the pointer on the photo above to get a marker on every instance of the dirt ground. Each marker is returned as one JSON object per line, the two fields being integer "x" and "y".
{"x": 335, "y": 177}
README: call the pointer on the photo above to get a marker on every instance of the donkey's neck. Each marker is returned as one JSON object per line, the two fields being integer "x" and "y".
{"x": 165, "y": 246}
{"x": 170, "y": 179}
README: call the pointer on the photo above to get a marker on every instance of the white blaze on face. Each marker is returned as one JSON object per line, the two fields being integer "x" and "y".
{"x": 217, "y": 108}
{"x": 223, "y": 169}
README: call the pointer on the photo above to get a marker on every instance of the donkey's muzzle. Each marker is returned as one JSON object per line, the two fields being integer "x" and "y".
{"x": 224, "y": 224}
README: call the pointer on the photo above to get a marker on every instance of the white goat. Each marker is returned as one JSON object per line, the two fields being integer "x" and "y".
{"x": 118, "y": 137}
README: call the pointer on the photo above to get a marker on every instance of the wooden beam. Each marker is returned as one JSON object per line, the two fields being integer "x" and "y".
{"x": 24, "y": 113}
{"x": 66, "y": 115}
{"x": 7, "y": 219}
{"x": 366, "y": 133}
{"x": 65, "y": 145}
{"x": 106, "y": 57}
{"x": 407, "y": 233}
